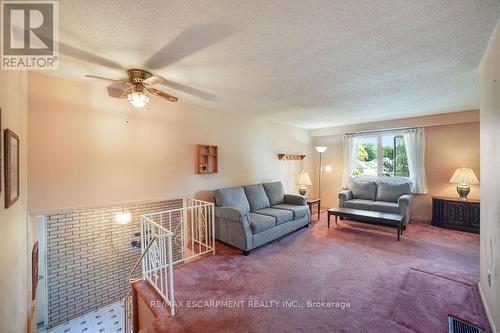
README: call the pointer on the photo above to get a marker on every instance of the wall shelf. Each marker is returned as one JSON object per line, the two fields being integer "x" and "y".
{"x": 206, "y": 159}
{"x": 294, "y": 157}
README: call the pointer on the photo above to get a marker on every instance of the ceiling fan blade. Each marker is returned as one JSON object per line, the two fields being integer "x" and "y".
{"x": 190, "y": 90}
{"x": 125, "y": 93}
{"x": 162, "y": 94}
{"x": 155, "y": 79}
{"x": 68, "y": 50}
{"x": 125, "y": 81}
{"x": 188, "y": 42}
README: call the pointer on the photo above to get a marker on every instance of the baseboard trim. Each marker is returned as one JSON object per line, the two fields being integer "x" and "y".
{"x": 421, "y": 218}
{"x": 485, "y": 305}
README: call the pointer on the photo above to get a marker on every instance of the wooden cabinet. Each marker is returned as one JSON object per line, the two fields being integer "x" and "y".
{"x": 455, "y": 214}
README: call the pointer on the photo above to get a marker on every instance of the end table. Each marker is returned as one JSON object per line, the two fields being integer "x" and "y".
{"x": 311, "y": 202}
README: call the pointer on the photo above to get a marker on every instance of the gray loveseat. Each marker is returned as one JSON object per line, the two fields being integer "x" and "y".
{"x": 249, "y": 216}
{"x": 386, "y": 197}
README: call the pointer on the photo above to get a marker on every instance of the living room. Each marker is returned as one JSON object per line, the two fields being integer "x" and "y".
{"x": 340, "y": 180}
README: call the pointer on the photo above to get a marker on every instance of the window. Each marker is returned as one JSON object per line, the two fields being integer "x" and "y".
{"x": 382, "y": 155}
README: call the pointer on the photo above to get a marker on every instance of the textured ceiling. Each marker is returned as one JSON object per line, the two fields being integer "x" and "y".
{"x": 306, "y": 63}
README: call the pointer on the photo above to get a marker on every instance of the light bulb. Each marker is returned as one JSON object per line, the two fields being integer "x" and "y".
{"x": 138, "y": 99}
{"x": 123, "y": 218}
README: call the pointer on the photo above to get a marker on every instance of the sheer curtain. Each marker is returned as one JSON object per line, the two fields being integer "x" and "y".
{"x": 415, "y": 149}
{"x": 349, "y": 150}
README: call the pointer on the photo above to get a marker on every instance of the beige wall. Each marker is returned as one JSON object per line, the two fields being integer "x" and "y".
{"x": 14, "y": 283}
{"x": 447, "y": 148}
{"x": 490, "y": 189}
{"x": 88, "y": 149}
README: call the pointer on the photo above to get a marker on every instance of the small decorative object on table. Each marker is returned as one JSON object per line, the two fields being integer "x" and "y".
{"x": 304, "y": 181}
{"x": 312, "y": 202}
{"x": 463, "y": 177}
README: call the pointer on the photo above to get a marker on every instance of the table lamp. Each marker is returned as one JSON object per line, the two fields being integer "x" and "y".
{"x": 463, "y": 177}
{"x": 303, "y": 182}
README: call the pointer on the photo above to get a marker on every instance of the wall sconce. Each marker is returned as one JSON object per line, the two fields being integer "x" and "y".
{"x": 123, "y": 218}
{"x": 328, "y": 168}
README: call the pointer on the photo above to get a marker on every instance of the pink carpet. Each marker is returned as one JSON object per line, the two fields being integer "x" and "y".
{"x": 373, "y": 283}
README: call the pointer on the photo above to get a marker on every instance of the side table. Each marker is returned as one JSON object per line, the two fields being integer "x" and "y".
{"x": 311, "y": 202}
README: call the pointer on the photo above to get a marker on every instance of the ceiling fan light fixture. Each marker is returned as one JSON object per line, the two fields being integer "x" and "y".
{"x": 138, "y": 99}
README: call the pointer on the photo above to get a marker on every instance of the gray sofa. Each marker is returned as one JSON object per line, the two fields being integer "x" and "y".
{"x": 386, "y": 197}
{"x": 249, "y": 216}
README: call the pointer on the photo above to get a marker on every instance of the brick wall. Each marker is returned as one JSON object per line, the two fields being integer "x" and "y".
{"x": 89, "y": 257}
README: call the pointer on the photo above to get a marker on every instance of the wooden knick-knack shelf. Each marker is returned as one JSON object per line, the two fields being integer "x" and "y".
{"x": 207, "y": 159}
{"x": 291, "y": 157}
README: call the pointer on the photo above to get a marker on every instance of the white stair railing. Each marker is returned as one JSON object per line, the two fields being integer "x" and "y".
{"x": 128, "y": 313}
{"x": 193, "y": 228}
{"x": 168, "y": 238}
{"x": 157, "y": 266}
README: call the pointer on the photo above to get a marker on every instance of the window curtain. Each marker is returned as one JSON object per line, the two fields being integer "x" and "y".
{"x": 415, "y": 149}
{"x": 349, "y": 150}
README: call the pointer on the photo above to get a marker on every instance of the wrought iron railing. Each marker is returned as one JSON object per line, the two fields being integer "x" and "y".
{"x": 169, "y": 238}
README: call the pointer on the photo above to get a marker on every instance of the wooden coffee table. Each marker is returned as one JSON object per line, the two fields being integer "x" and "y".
{"x": 368, "y": 216}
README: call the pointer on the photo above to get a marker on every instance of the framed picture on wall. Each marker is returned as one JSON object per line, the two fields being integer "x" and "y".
{"x": 11, "y": 170}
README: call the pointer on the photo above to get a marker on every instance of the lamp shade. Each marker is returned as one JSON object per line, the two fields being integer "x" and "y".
{"x": 464, "y": 176}
{"x": 304, "y": 179}
{"x": 320, "y": 149}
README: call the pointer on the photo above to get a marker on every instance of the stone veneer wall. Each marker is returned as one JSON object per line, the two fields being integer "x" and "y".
{"x": 89, "y": 257}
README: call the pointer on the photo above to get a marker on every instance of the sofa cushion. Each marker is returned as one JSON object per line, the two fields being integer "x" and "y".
{"x": 281, "y": 215}
{"x": 358, "y": 204}
{"x": 298, "y": 211}
{"x": 232, "y": 197}
{"x": 257, "y": 197}
{"x": 260, "y": 223}
{"x": 391, "y": 191}
{"x": 364, "y": 190}
{"x": 384, "y": 207}
{"x": 275, "y": 193}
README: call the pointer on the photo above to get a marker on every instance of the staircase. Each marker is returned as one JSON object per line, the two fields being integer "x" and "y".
{"x": 168, "y": 239}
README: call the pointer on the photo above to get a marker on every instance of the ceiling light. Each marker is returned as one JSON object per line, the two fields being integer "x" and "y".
{"x": 138, "y": 98}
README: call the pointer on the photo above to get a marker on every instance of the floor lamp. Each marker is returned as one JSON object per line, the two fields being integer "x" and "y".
{"x": 320, "y": 150}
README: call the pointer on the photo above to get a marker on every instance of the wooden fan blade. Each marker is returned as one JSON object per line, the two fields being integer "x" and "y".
{"x": 125, "y": 93}
{"x": 155, "y": 79}
{"x": 162, "y": 94}
{"x": 125, "y": 81}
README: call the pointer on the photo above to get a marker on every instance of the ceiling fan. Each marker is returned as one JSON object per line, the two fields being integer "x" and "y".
{"x": 139, "y": 84}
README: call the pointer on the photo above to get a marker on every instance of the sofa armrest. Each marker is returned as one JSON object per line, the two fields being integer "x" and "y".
{"x": 232, "y": 227}
{"x": 295, "y": 199}
{"x": 229, "y": 213}
{"x": 404, "y": 207}
{"x": 344, "y": 196}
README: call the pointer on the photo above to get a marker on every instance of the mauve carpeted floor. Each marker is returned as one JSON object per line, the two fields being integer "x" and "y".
{"x": 406, "y": 286}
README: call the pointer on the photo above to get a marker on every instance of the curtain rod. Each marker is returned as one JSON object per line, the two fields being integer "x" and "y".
{"x": 382, "y": 130}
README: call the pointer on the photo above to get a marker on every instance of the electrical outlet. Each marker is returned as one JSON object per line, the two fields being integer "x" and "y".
{"x": 489, "y": 279}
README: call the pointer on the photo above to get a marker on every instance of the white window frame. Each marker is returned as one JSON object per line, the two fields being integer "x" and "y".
{"x": 380, "y": 161}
